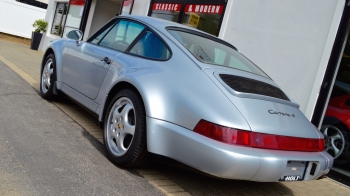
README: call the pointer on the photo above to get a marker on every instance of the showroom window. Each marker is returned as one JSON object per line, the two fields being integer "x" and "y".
{"x": 75, "y": 13}
{"x": 166, "y": 11}
{"x": 59, "y": 19}
{"x": 205, "y": 15}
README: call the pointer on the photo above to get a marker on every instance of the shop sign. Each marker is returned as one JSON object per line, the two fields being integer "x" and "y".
{"x": 167, "y": 6}
{"x": 77, "y": 2}
{"x": 204, "y": 8}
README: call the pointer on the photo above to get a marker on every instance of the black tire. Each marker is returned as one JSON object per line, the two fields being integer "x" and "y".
{"x": 48, "y": 78}
{"x": 126, "y": 112}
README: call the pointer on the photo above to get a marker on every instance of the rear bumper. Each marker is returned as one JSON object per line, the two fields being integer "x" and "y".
{"x": 229, "y": 161}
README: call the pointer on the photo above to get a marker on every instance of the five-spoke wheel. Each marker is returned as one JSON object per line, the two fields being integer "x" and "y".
{"x": 121, "y": 126}
{"x": 48, "y": 77}
{"x": 125, "y": 130}
{"x": 334, "y": 140}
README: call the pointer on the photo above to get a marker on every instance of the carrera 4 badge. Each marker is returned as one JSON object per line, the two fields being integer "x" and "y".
{"x": 281, "y": 113}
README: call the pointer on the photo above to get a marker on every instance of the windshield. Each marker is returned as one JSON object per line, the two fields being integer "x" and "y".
{"x": 213, "y": 52}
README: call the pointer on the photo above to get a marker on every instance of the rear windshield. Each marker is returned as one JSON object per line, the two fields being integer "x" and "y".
{"x": 212, "y": 52}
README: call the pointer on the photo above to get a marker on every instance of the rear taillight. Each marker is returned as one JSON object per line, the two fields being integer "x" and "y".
{"x": 260, "y": 140}
{"x": 257, "y": 140}
{"x": 222, "y": 134}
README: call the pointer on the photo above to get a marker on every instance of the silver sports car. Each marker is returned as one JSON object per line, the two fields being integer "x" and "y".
{"x": 162, "y": 88}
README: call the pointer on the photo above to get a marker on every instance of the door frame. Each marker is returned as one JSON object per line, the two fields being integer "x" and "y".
{"x": 332, "y": 68}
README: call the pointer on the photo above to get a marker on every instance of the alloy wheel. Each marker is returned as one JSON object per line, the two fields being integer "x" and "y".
{"x": 46, "y": 78}
{"x": 121, "y": 126}
{"x": 334, "y": 140}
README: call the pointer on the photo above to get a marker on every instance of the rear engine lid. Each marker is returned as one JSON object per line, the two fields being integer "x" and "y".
{"x": 240, "y": 85}
{"x": 263, "y": 104}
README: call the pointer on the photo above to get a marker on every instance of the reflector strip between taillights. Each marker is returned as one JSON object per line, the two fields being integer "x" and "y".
{"x": 257, "y": 140}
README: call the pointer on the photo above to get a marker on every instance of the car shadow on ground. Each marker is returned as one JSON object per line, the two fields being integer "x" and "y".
{"x": 68, "y": 106}
{"x": 199, "y": 183}
{"x": 191, "y": 180}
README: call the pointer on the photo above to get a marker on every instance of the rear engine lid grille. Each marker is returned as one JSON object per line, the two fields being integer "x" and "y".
{"x": 247, "y": 85}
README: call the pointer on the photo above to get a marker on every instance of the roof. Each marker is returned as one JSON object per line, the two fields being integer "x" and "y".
{"x": 160, "y": 24}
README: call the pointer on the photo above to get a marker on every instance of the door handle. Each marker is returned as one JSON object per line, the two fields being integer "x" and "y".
{"x": 107, "y": 60}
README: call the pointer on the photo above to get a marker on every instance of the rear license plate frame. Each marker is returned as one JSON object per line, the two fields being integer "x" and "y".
{"x": 295, "y": 171}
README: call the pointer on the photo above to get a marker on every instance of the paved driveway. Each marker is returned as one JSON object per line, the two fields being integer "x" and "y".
{"x": 45, "y": 152}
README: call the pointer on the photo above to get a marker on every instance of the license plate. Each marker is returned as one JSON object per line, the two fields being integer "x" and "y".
{"x": 291, "y": 178}
{"x": 294, "y": 171}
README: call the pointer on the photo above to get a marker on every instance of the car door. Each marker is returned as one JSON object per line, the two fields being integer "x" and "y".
{"x": 88, "y": 62}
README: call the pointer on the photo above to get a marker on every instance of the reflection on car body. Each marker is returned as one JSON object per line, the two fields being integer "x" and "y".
{"x": 171, "y": 90}
{"x": 336, "y": 123}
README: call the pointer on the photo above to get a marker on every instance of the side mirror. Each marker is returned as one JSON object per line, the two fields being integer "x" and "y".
{"x": 75, "y": 35}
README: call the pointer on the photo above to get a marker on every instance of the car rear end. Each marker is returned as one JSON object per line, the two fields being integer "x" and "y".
{"x": 281, "y": 144}
{"x": 289, "y": 146}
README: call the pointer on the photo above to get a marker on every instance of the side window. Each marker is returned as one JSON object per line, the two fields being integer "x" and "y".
{"x": 99, "y": 37}
{"x": 151, "y": 46}
{"x": 122, "y": 35}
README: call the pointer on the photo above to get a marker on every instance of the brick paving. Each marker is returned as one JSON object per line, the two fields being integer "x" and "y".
{"x": 169, "y": 179}
{"x": 201, "y": 185}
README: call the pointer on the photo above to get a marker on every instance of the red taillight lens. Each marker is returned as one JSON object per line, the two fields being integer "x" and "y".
{"x": 257, "y": 140}
{"x": 260, "y": 140}
{"x": 222, "y": 134}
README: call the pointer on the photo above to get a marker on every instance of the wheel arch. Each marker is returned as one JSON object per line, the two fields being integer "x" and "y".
{"x": 47, "y": 53}
{"x": 114, "y": 90}
{"x": 330, "y": 120}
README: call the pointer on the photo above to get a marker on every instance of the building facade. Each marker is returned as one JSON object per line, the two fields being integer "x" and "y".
{"x": 300, "y": 44}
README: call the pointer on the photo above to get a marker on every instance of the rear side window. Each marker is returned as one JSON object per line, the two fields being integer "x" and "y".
{"x": 150, "y": 46}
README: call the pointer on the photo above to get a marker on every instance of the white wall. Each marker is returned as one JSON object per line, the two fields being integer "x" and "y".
{"x": 103, "y": 12}
{"x": 17, "y": 18}
{"x": 141, "y": 7}
{"x": 47, "y": 37}
{"x": 290, "y": 40}
{"x": 89, "y": 20}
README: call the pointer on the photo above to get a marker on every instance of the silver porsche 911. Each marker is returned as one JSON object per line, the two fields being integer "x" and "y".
{"x": 162, "y": 88}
